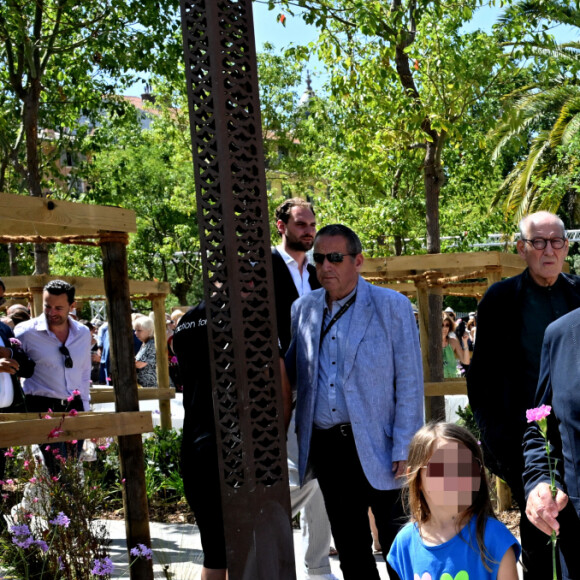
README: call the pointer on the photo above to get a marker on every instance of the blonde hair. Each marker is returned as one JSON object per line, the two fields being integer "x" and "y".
{"x": 420, "y": 451}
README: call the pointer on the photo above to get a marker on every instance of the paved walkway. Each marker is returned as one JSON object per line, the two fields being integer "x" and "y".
{"x": 177, "y": 549}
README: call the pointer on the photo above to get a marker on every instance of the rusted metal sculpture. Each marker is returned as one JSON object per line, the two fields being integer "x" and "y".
{"x": 233, "y": 220}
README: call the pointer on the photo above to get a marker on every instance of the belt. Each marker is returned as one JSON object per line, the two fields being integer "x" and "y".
{"x": 54, "y": 402}
{"x": 341, "y": 430}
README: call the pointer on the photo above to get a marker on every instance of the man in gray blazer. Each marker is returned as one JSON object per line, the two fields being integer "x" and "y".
{"x": 355, "y": 362}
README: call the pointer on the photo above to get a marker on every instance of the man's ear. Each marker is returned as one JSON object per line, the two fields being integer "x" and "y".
{"x": 520, "y": 245}
{"x": 281, "y": 227}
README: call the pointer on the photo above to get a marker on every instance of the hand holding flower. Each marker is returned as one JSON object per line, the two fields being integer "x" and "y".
{"x": 542, "y": 509}
{"x": 544, "y": 505}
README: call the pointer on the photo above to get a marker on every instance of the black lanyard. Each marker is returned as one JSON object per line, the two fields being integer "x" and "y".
{"x": 345, "y": 307}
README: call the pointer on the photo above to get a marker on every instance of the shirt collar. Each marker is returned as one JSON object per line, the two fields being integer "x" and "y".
{"x": 288, "y": 259}
{"x": 42, "y": 324}
{"x": 340, "y": 303}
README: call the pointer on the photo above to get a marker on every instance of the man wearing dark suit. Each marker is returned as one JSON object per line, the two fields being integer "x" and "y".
{"x": 558, "y": 387}
{"x": 295, "y": 277}
{"x": 503, "y": 375}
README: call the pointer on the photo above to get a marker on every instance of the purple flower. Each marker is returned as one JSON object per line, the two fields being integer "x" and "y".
{"x": 103, "y": 567}
{"x": 538, "y": 413}
{"x": 42, "y": 545}
{"x": 22, "y": 530}
{"x": 22, "y": 536}
{"x": 22, "y": 541}
{"x": 141, "y": 550}
{"x": 16, "y": 342}
{"x": 60, "y": 520}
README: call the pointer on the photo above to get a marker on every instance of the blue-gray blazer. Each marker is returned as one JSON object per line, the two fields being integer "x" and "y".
{"x": 383, "y": 377}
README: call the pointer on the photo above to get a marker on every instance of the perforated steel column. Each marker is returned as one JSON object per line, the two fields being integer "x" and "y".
{"x": 221, "y": 70}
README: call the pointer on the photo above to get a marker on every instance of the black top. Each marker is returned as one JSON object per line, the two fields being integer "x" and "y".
{"x": 191, "y": 347}
{"x": 541, "y": 305}
{"x": 498, "y": 384}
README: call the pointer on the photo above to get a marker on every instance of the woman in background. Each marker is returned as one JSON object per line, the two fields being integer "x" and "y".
{"x": 145, "y": 360}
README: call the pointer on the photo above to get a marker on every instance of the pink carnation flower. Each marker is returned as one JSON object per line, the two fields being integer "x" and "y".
{"x": 538, "y": 413}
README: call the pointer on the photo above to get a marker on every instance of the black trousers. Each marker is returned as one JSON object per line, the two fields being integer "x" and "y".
{"x": 39, "y": 404}
{"x": 348, "y": 496}
{"x": 537, "y": 548}
{"x": 201, "y": 483}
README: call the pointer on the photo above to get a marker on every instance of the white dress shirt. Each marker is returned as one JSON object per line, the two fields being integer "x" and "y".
{"x": 300, "y": 278}
{"x": 51, "y": 378}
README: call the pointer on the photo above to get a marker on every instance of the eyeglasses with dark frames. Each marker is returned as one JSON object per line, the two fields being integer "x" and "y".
{"x": 68, "y": 362}
{"x": 333, "y": 257}
{"x": 541, "y": 243}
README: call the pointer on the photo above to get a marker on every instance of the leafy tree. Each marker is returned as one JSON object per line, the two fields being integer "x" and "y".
{"x": 57, "y": 60}
{"x": 407, "y": 68}
{"x": 150, "y": 171}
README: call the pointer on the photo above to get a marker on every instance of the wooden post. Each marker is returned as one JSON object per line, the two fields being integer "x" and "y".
{"x": 158, "y": 303}
{"x": 433, "y": 347}
{"x": 37, "y": 304}
{"x": 423, "y": 307}
{"x": 125, "y": 381}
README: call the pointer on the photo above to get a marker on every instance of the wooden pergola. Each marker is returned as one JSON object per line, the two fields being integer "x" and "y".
{"x": 460, "y": 274}
{"x": 40, "y": 220}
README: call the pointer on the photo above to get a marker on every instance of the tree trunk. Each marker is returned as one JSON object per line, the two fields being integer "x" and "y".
{"x": 13, "y": 259}
{"x": 180, "y": 290}
{"x": 33, "y": 174}
{"x": 433, "y": 178}
{"x": 398, "y": 246}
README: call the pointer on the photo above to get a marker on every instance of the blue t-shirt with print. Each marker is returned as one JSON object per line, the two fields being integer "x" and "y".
{"x": 456, "y": 559}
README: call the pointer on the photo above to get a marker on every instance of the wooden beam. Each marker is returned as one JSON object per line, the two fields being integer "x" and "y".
{"x": 107, "y": 394}
{"x": 446, "y": 387}
{"x": 28, "y": 429}
{"x": 448, "y": 264}
{"x": 84, "y": 286}
{"x": 25, "y": 215}
{"x": 161, "y": 358}
{"x": 456, "y": 289}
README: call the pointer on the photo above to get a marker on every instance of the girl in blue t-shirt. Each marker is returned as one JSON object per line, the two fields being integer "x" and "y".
{"x": 453, "y": 533}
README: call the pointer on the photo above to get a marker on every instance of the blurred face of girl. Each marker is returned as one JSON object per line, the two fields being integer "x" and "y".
{"x": 452, "y": 477}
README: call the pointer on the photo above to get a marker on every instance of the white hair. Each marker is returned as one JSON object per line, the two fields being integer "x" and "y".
{"x": 526, "y": 221}
{"x": 145, "y": 323}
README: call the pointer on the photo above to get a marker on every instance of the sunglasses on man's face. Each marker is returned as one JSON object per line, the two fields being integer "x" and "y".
{"x": 333, "y": 257}
{"x": 68, "y": 362}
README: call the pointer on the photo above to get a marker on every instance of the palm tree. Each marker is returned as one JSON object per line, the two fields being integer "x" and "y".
{"x": 545, "y": 114}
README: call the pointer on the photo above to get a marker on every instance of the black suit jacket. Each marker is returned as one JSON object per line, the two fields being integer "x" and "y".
{"x": 26, "y": 370}
{"x": 558, "y": 387}
{"x": 495, "y": 378}
{"x": 286, "y": 293}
